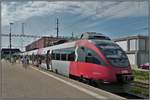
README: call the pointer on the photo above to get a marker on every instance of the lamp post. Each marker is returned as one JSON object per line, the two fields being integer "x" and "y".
{"x": 10, "y": 42}
{"x": 22, "y": 36}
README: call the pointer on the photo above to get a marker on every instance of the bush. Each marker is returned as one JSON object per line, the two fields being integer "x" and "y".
{"x": 141, "y": 75}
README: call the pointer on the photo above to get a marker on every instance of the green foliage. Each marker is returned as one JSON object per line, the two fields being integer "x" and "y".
{"x": 141, "y": 75}
{"x": 140, "y": 91}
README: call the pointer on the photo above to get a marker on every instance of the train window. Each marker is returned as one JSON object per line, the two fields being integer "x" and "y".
{"x": 57, "y": 56}
{"x": 53, "y": 56}
{"x": 66, "y": 54}
{"x": 63, "y": 57}
{"x": 92, "y": 57}
{"x": 88, "y": 55}
{"x": 71, "y": 56}
{"x": 92, "y": 60}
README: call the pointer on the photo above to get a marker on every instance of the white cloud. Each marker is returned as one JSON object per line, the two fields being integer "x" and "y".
{"x": 15, "y": 11}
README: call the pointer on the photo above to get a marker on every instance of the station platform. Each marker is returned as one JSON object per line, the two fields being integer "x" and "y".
{"x": 18, "y": 82}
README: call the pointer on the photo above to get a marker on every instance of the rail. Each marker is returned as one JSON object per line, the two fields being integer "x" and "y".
{"x": 138, "y": 89}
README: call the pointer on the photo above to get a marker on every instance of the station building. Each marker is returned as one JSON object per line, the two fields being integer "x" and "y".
{"x": 5, "y": 52}
{"x": 45, "y": 42}
{"x": 136, "y": 47}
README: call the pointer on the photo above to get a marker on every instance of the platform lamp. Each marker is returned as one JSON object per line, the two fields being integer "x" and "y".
{"x": 10, "y": 42}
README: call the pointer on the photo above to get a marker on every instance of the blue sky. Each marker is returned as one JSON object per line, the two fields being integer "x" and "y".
{"x": 115, "y": 19}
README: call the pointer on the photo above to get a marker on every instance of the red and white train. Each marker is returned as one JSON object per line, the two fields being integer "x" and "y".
{"x": 94, "y": 59}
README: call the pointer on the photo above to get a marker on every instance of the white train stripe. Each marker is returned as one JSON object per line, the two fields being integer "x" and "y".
{"x": 74, "y": 85}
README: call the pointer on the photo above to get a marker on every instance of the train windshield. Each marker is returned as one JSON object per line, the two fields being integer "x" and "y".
{"x": 114, "y": 54}
{"x": 99, "y": 37}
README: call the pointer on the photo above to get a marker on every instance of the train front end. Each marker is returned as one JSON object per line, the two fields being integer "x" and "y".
{"x": 117, "y": 63}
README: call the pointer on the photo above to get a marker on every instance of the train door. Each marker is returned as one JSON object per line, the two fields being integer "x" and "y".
{"x": 59, "y": 62}
{"x": 81, "y": 55}
{"x": 71, "y": 57}
{"x": 88, "y": 62}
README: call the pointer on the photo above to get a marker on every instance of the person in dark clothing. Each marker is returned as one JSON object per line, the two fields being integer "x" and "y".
{"x": 47, "y": 60}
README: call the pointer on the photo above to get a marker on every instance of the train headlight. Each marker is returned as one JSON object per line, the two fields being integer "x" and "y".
{"x": 124, "y": 71}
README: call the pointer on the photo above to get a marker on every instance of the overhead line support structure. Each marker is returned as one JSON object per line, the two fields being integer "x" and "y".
{"x": 20, "y": 35}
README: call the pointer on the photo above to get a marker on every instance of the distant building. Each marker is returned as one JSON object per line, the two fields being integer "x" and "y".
{"x": 6, "y": 51}
{"x": 45, "y": 42}
{"x": 136, "y": 47}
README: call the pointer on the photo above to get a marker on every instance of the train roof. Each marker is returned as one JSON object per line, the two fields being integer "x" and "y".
{"x": 64, "y": 45}
{"x": 103, "y": 41}
{"x": 44, "y": 50}
{"x": 94, "y": 35}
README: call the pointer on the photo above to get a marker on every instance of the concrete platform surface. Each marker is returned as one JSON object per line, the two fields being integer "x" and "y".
{"x": 28, "y": 83}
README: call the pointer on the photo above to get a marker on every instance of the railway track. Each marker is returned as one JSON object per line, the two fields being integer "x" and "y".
{"x": 139, "y": 89}
{"x": 128, "y": 96}
{"x": 123, "y": 90}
